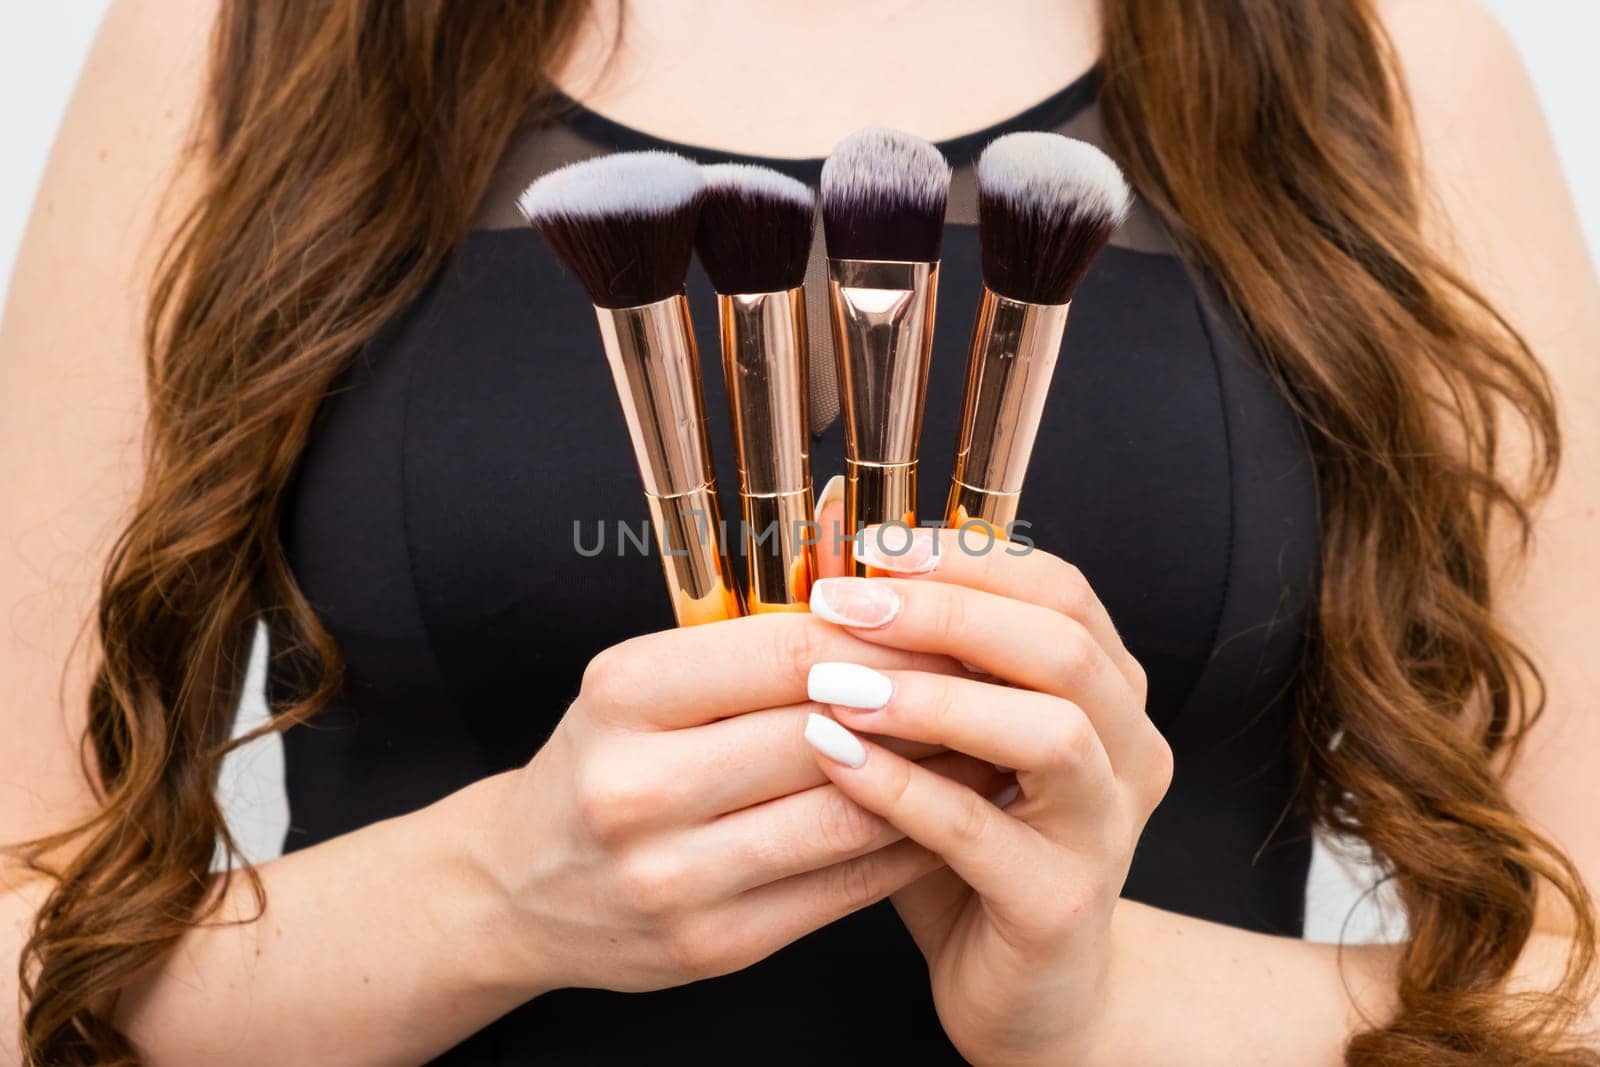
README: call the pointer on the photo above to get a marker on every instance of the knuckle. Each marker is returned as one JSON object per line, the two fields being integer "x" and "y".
{"x": 949, "y": 614}
{"x": 1072, "y": 742}
{"x": 972, "y": 819}
{"x": 651, "y": 885}
{"x": 1073, "y": 593}
{"x": 1139, "y": 680}
{"x": 694, "y": 949}
{"x": 1076, "y": 654}
{"x": 606, "y": 678}
{"x": 937, "y": 703}
{"x": 858, "y": 883}
{"x": 899, "y": 786}
{"x": 610, "y": 805}
{"x": 799, "y": 646}
{"x": 845, "y": 826}
{"x": 1158, "y": 779}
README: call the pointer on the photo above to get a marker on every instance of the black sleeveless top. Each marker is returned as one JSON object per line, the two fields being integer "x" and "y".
{"x": 432, "y": 526}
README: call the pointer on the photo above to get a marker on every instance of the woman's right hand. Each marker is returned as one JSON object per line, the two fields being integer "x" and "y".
{"x": 676, "y": 826}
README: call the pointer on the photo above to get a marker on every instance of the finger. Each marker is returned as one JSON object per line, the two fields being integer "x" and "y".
{"x": 976, "y": 560}
{"x": 993, "y": 852}
{"x": 1041, "y": 737}
{"x": 695, "y": 774}
{"x": 1021, "y": 643}
{"x": 805, "y": 831}
{"x": 831, "y": 561}
{"x": 699, "y": 674}
{"x": 783, "y": 912}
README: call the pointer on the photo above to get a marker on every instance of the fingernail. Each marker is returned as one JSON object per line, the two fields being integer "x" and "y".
{"x": 849, "y": 685}
{"x": 1003, "y": 798}
{"x": 832, "y": 493}
{"x": 834, "y": 741}
{"x": 854, "y": 602}
{"x": 899, "y": 548}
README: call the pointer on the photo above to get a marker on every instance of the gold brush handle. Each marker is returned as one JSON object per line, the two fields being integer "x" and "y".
{"x": 656, "y": 368}
{"x": 875, "y": 495}
{"x": 764, "y": 363}
{"x": 883, "y": 315}
{"x": 1014, "y": 350}
{"x": 780, "y": 551}
{"x": 968, "y": 506}
{"x": 692, "y": 558}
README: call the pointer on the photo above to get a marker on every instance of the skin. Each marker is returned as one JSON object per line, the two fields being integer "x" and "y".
{"x": 395, "y": 941}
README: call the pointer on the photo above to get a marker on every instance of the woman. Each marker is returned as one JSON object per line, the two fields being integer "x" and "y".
{"x": 1292, "y": 459}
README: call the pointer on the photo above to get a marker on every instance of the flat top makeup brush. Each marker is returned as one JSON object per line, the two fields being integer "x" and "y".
{"x": 624, "y": 226}
{"x": 883, "y": 207}
{"x": 1047, "y": 205}
{"x": 754, "y": 240}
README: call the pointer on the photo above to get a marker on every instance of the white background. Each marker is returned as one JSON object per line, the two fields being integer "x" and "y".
{"x": 42, "y": 46}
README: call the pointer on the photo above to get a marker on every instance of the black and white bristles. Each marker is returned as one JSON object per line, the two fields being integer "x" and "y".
{"x": 1047, "y": 204}
{"x": 755, "y": 229}
{"x": 883, "y": 197}
{"x": 622, "y": 224}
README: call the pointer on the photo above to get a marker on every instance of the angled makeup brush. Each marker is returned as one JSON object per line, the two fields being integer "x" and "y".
{"x": 883, "y": 206}
{"x": 624, "y": 226}
{"x": 1047, "y": 204}
{"x": 754, "y": 240}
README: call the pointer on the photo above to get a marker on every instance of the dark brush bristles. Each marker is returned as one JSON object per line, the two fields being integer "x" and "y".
{"x": 1047, "y": 204}
{"x": 755, "y": 229}
{"x": 622, "y": 224}
{"x": 883, "y": 197}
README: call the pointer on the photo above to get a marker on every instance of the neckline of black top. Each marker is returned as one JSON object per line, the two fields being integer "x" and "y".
{"x": 963, "y": 150}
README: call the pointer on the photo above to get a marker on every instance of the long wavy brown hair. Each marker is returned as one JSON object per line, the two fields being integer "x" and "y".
{"x": 345, "y": 146}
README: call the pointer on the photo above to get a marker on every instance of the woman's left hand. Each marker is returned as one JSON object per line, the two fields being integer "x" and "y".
{"x": 1017, "y": 930}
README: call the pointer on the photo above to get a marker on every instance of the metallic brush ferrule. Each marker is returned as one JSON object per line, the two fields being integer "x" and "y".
{"x": 764, "y": 362}
{"x": 1014, "y": 350}
{"x": 656, "y": 367}
{"x": 883, "y": 334}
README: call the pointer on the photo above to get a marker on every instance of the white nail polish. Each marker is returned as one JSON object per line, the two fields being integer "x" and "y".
{"x": 834, "y": 741}
{"x": 848, "y": 684}
{"x": 1004, "y": 798}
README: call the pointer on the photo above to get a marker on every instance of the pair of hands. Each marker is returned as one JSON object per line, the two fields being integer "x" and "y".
{"x": 717, "y": 792}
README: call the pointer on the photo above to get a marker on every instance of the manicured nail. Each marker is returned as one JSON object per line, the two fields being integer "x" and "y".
{"x": 854, "y": 602}
{"x": 832, "y": 493}
{"x": 849, "y": 685}
{"x": 1004, "y": 798}
{"x": 899, "y": 548}
{"x": 834, "y": 741}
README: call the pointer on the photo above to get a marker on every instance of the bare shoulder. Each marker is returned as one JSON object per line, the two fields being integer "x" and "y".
{"x": 1501, "y": 203}
{"x": 71, "y": 375}
{"x": 1487, "y": 151}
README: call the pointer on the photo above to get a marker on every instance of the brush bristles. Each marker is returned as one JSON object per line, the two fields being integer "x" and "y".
{"x": 622, "y": 224}
{"x": 1047, "y": 204}
{"x": 883, "y": 197}
{"x": 755, "y": 229}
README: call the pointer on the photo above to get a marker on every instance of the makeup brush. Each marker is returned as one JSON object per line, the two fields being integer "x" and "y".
{"x": 883, "y": 206}
{"x": 754, "y": 240}
{"x": 624, "y": 226}
{"x": 1047, "y": 204}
